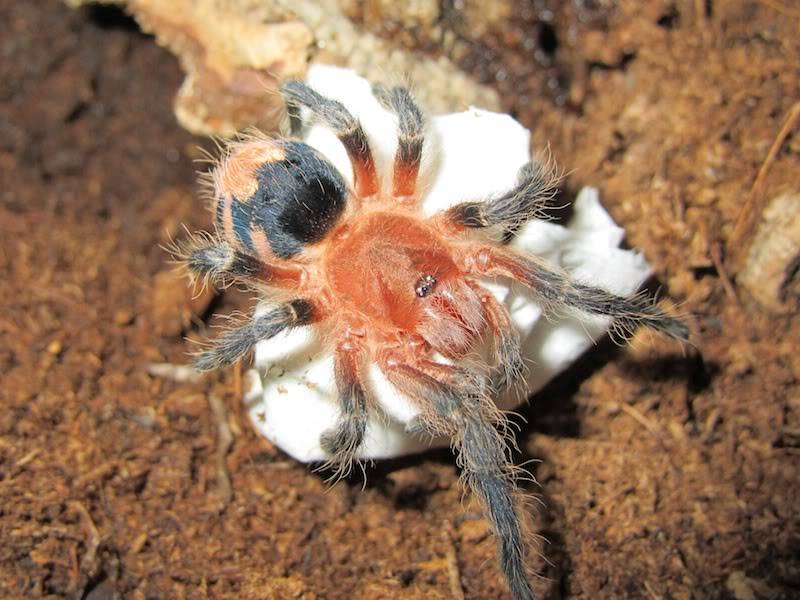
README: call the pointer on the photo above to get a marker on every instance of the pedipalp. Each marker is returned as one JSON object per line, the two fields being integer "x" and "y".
{"x": 507, "y": 366}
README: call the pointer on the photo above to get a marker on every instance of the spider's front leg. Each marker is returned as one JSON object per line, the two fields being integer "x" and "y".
{"x": 410, "y": 138}
{"x": 454, "y": 403}
{"x": 555, "y": 290}
{"x": 344, "y": 439}
{"x": 346, "y": 127}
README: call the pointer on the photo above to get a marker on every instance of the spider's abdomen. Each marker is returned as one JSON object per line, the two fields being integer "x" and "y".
{"x": 274, "y": 198}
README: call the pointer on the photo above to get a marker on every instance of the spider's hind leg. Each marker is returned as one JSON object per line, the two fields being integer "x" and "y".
{"x": 410, "y": 137}
{"x": 346, "y": 127}
{"x": 209, "y": 259}
{"x": 460, "y": 409}
{"x": 344, "y": 439}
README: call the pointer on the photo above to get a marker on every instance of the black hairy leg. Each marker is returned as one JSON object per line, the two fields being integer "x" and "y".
{"x": 217, "y": 261}
{"x": 209, "y": 259}
{"x": 555, "y": 291}
{"x": 346, "y": 127}
{"x": 344, "y": 439}
{"x": 537, "y": 183}
{"x": 410, "y": 137}
{"x": 473, "y": 422}
{"x": 489, "y": 475}
{"x": 235, "y": 343}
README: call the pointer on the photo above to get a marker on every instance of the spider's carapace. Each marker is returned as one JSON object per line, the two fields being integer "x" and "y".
{"x": 394, "y": 288}
{"x": 393, "y": 271}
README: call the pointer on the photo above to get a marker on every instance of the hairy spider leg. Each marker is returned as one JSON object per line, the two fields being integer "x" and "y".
{"x": 346, "y": 127}
{"x": 235, "y": 343}
{"x": 456, "y": 408}
{"x": 555, "y": 290}
{"x": 508, "y": 366}
{"x": 537, "y": 183}
{"x": 410, "y": 138}
{"x": 218, "y": 261}
{"x": 343, "y": 440}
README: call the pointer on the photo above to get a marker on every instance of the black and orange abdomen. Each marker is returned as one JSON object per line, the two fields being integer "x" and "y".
{"x": 274, "y": 198}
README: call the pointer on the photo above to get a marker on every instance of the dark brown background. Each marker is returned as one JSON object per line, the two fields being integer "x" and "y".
{"x": 662, "y": 475}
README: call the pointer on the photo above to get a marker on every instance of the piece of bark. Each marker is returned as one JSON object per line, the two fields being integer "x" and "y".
{"x": 771, "y": 272}
{"x": 237, "y": 53}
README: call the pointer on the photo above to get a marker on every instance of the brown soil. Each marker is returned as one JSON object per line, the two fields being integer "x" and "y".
{"x": 662, "y": 474}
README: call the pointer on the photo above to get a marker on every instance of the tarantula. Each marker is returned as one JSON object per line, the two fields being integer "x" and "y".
{"x": 393, "y": 288}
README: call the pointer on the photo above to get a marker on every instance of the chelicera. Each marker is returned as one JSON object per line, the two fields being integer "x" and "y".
{"x": 389, "y": 286}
